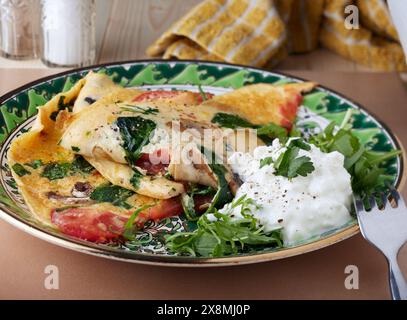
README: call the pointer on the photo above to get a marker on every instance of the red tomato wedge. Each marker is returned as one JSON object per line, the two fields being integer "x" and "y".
{"x": 89, "y": 224}
{"x": 170, "y": 208}
{"x": 154, "y": 163}
{"x": 164, "y": 94}
{"x": 290, "y": 108}
{"x": 103, "y": 226}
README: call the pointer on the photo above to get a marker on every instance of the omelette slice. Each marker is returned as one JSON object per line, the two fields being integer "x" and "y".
{"x": 264, "y": 103}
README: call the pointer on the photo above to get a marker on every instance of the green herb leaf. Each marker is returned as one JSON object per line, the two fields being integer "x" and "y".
{"x": 20, "y": 170}
{"x": 113, "y": 194}
{"x": 223, "y": 235}
{"x": 289, "y": 165}
{"x": 34, "y": 164}
{"x": 266, "y": 132}
{"x": 363, "y": 165}
{"x": 128, "y": 233}
{"x": 135, "y": 132}
{"x": 80, "y": 165}
{"x": 55, "y": 171}
{"x": 75, "y": 149}
{"x": 266, "y": 162}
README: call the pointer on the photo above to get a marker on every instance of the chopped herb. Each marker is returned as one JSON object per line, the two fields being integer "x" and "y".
{"x": 231, "y": 121}
{"x": 55, "y": 171}
{"x": 266, "y": 132}
{"x": 80, "y": 165}
{"x": 138, "y": 109}
{"x": 135, "y": 132}
{"x": 20, "y": 170}
{"x": 75, "y": 149}
{"x": 135, "y": 179}
{"x": 266, "y": 161}
{"x": 60, "y": 170}
{"x": 111, "y": 193}
{"x": 289, "y": 165}
{"x": 34, "y": 164}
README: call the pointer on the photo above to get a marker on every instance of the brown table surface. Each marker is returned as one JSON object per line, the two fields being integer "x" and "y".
{"x": 316, "y": 275}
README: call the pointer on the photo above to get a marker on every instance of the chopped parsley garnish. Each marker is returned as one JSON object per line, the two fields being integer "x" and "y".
{"x": 20, "y": 170}
{"x": 266, "y": 161}
{"x": 35, "y": 164}
{"x": 75, "y": 149}
{"x": 113, "y": 194}
{"x": 289, "y": 164}
{"x": 224, "y": 236}
{"x": 364, "y": 166}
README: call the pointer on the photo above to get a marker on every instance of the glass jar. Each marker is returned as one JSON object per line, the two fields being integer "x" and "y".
{"x": 19, "y": 26}
{"x": 68, "y": 33}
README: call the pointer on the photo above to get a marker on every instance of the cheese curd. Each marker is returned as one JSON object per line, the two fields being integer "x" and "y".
{"x": 303, "y": 206}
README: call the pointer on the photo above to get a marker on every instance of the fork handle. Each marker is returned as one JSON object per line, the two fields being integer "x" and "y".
{"x": 398, "y": 284}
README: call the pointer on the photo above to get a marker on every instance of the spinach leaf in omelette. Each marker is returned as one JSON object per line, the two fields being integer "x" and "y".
{"x": 60, "y": 170}
{"x": 116, "y": 195}
{"x": 135, "y": 132}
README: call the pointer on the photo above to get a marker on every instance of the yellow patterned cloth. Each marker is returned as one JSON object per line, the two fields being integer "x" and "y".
{"x": 263, "y": 32}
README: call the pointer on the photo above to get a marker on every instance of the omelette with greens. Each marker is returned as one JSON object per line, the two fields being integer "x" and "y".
{"x": 101, "y": 160}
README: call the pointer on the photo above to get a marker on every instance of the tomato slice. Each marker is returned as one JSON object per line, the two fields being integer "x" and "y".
{"x": 154, "y": 163}
{"x": 163, "y": 209}
{"x": 164, "y": 94}
{"x": 89, "y": 224}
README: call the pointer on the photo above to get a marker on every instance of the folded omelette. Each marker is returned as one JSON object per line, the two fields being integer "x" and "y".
{"x": 99, "y": 152}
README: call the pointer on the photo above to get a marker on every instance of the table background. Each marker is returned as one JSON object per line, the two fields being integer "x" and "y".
{"x": 124, "y": 29}
{"x": 316, "y": 275}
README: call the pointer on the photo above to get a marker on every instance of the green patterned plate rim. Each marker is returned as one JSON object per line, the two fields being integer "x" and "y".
{"x": 19, "y": 107}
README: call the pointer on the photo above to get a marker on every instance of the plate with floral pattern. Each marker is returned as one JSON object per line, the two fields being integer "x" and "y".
{"x": 321, "y": 106}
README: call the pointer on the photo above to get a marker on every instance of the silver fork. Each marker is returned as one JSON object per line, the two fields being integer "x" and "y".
{"x": 385, "y": 227}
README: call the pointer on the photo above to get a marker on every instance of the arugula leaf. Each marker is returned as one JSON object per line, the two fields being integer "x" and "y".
{"x": 129, "y": 233}
{"x": 202, "y": 93}
{"x": 364, "y": 166}
{"x": 223, "y": 195}
{"x": 289, "y": 165}
{"x": 135, "y": 132}
{"x": 116, "y": 195}
{"x": 20, "y": 170}
{"x": 224, "y": 236}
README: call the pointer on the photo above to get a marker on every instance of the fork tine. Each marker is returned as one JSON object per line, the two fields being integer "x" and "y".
{"x": 358, "y": 204}
{"x": 372, "y": 202}
{"x": 396, "y": 196}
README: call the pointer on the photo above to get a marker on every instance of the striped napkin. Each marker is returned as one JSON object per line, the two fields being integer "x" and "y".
{"x": 263, "y": 32}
